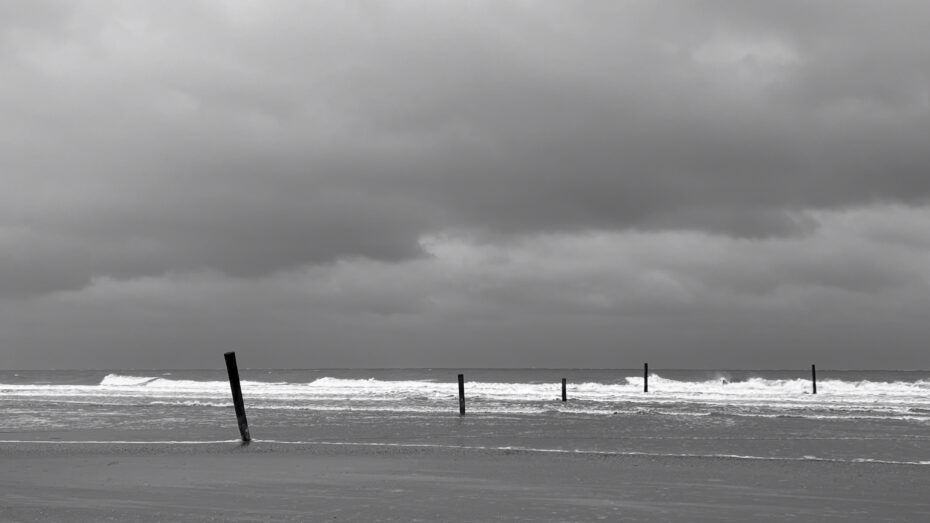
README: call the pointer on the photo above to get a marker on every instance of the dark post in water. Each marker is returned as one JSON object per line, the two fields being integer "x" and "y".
{"x": 461, "y": 394}
{"x": 233, "y": 371}
{"x": 814, "y": 377}
{"x": 564, "y": 396}
{"x": 645, "y": 377}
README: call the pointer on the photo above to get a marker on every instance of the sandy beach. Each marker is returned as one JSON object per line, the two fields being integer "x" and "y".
{"x": 275, "y": 482}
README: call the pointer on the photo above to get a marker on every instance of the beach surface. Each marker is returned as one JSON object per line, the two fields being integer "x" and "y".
{"x": 265, "y": 481}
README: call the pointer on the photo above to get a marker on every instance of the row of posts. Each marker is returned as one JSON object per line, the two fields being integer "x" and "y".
{"x": 233, "y": 370}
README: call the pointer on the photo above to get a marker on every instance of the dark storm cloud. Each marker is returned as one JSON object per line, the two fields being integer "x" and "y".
{"x": 845, "y": 294}
{"x": 255, "y": 138}
{"x": 333, "y": 147}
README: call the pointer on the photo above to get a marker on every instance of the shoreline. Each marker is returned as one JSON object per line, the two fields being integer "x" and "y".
{"x": 263, "y": 445}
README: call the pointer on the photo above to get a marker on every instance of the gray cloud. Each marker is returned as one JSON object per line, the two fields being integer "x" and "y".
{"x": 258, "y": 141}
{"x": 683, "y": 298}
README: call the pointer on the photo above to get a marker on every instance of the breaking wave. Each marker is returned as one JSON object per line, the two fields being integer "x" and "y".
{"x": 754, "y": 396}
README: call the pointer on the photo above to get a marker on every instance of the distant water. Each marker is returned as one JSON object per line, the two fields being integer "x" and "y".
{"x": 856, "y": 415}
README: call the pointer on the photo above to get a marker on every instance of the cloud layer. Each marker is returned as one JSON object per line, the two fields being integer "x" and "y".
{"x": 460, "y": 182}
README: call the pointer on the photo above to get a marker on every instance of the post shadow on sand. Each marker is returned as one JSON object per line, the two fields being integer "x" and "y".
{"x": 233, "y": 370}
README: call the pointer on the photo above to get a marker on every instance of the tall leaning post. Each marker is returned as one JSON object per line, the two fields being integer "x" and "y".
{"x": 645, "y": 377}
{"x": 461, "y": 394}
{"x": 564, "y": 395}
{"x": 814, "y": 377}
{"x": 233, "y": 370}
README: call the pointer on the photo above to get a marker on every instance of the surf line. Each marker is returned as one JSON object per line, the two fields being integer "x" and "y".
{"x": 527, "y": 450}
{"x": 533, "y": 450}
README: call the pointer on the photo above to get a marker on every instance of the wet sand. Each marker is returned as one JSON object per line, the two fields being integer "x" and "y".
{"x": 272, "y": 482}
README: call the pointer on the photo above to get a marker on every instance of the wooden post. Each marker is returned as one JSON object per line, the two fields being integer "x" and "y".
{"x": 564, "y": 396}
{"x": 645, "y": 377}
{"x": 461, "y": 394}
{"x": 233, "y": 370}
{"x": 814, "y": 377}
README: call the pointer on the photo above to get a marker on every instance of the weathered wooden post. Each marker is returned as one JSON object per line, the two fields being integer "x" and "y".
{"x": 461, "y": 394}
{"x": 645, "y": 377}
{"x": 564, "y": 396}
{"x": 233, "y": 370}
{"x": 814, "y": 377}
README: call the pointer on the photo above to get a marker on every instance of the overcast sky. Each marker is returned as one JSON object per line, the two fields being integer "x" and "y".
{"x": 353, "y": 183}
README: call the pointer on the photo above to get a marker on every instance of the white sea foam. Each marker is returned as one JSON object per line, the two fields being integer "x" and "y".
{"x": 751, "y": 397}
{"x": 116, "y": 380}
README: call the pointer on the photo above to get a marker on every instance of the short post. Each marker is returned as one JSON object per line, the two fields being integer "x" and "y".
{"x": 461, "y": 394}
{"x": 645, "y": 377}
{"x": 564, "y": 396}
{"x": 233, "y": 370}
{"x": 814, "y": 377}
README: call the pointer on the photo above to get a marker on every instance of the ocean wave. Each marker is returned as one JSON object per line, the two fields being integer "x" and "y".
{"x": 658, "y": 385}
{"x": 630, "y": 389}
{"x": 117, "y": 380}
{"x": 158, "y": 382}
{"x": 752, "y": 397}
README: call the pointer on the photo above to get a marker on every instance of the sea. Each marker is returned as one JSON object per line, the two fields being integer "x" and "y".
{"x": 855, "y": 416}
